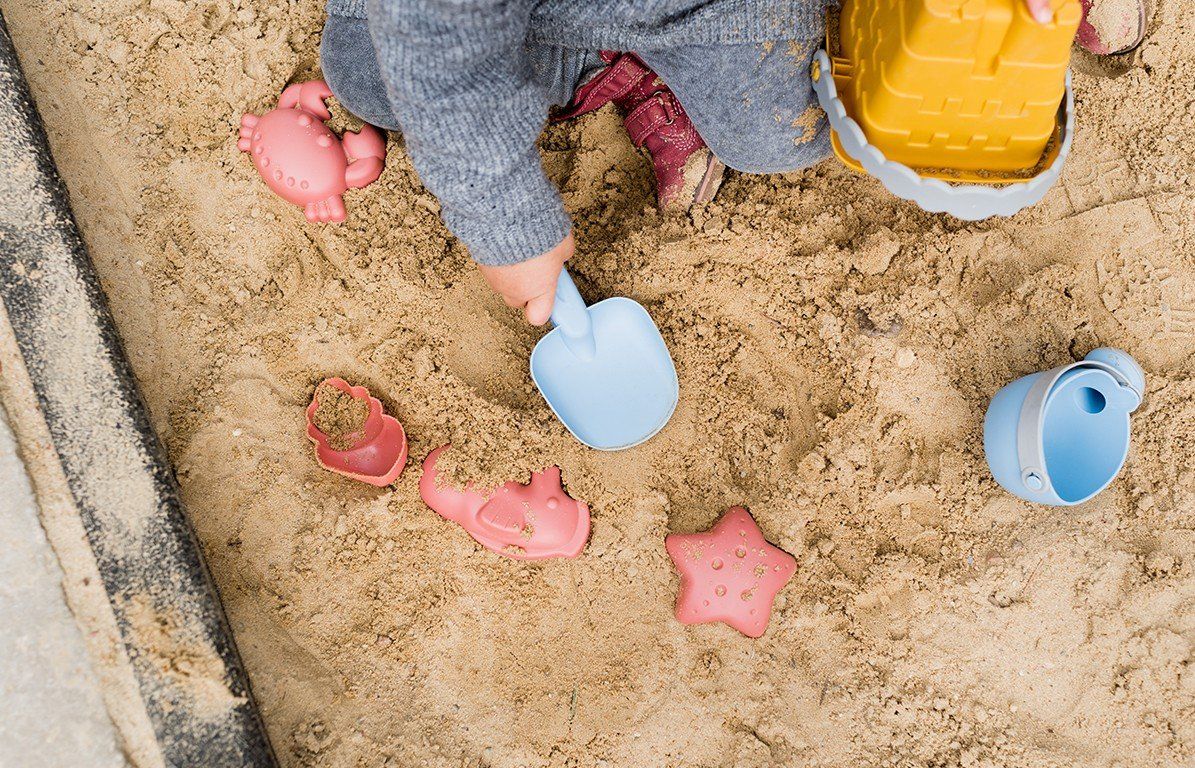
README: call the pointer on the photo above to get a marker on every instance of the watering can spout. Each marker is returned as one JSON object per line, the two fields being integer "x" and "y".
{"x": 1131, "y": 376}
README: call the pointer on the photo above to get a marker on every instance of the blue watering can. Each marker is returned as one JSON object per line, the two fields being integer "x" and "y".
{"x": 605, "y": 370}
{"x": 1059, "y": 437}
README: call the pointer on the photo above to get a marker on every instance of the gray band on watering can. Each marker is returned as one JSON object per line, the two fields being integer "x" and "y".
{"x": 970, "y": 202}
{"x": 1031, "y": 455}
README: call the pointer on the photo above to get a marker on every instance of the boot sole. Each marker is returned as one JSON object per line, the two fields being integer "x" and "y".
{"x": 711, "y": 181}
{"x": 701, "y": 178}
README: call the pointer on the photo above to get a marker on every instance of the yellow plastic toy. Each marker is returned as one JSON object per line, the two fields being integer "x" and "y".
{"x": 971, "y": 91}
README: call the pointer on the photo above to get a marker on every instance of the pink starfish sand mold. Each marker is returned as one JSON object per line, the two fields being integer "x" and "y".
{"x": 729, "y": 574}
{"x": 524, "y": 522}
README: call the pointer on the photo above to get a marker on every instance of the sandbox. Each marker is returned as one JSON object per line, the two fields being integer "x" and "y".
{"x": 836, "y": 349}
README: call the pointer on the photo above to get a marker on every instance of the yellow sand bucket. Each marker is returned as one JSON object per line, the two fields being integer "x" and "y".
{"x": 971, "y": 92}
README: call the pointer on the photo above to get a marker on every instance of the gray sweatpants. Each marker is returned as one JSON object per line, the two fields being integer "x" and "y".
{"x": 752, "y": 103}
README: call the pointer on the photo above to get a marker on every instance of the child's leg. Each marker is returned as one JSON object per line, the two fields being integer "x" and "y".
{"x": 351, "y": 70}
{"x": 752, "y": 103}
{"x": 561, "y": 70}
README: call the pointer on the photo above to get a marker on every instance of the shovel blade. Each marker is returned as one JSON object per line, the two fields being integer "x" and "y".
{"x": 621, "y": 397}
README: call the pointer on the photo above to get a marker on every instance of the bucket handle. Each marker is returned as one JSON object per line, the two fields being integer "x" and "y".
{"x": 1031, "y": 455}
{"x": 970, "y": 202}
{"x": 571, "y": 318}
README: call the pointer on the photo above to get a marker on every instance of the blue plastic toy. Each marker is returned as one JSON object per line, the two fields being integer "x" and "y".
{"x": 1059, "y": 437}
{"x": 605, "y": 370}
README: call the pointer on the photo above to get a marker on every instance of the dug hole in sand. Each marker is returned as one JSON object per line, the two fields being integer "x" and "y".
{"x": 836, "y": 350}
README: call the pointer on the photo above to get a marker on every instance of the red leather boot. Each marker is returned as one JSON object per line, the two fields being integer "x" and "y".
{"x": 686, "y": 170}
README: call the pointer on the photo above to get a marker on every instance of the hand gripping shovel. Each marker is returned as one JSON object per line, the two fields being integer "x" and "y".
{"x": 604, "y": 370}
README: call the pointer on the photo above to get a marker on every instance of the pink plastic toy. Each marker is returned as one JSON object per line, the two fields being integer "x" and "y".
{"x": 524, "y": 522}
{"x": 729, "y": 574}
{"x": 380, "y": 453}
{"x": 302, "y": 161}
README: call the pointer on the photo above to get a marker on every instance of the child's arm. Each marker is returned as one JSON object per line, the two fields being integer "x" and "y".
{"x": 531, "y": 284}
{"x": 461, "y": 86}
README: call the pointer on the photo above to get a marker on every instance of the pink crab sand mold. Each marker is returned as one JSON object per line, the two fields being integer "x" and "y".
{"x": 524, "y": 522}
{"x": 302, "y": 161}
{"x": 380, "y": 454}
{"x": 729, "y": 574}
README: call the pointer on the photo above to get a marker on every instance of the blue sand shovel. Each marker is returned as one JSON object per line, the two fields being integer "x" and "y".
{"x": 605, "y": 370}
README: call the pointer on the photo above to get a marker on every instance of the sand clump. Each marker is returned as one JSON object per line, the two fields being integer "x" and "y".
{"x": 836, "y": 349}
{"x": 191, "y": 663}
{"x": 339, "y": 415}
{"x": 1116, "y": 22}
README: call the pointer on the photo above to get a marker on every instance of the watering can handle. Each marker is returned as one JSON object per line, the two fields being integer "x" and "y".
{"x": 571, "y": 317}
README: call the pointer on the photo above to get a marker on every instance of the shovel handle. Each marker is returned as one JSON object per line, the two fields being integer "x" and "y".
{"x": 571, "y": 317}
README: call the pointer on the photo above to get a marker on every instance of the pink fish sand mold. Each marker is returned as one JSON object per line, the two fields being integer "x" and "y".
{"x": 377, "y": 456}
{"x": 302, "y": 161}
{"x": 524, "y": 522}
{"x": 729, "y": 574}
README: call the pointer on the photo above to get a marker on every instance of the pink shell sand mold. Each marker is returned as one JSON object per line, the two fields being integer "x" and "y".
{"x": 302, "y": 161}
{"x": 524, "y": 522}
{"x": 377, "y": 457}
{"x": 729, "y": 574}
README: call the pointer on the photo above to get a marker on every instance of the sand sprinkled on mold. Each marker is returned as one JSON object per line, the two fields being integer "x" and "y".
{"x": 339, "y": 415}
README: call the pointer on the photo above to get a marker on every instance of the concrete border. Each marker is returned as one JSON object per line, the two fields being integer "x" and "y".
{"x": 54, "y": 709}
{"x": 194, "y": 688}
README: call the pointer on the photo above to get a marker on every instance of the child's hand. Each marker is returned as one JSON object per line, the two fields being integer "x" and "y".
{"x": 1040, "y": 10}
{"x": 531, "y": 284}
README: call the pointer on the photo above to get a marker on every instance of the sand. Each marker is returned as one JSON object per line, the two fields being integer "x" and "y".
{"x": 836, "y": 350}
{"x": 339, "y": 415}
{"x": 1116, "y": 23}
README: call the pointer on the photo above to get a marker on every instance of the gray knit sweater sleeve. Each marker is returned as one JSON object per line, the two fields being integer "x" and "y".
{"x": 461, "y": 85}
